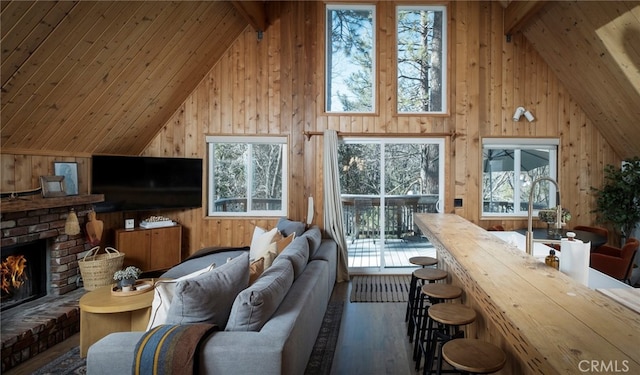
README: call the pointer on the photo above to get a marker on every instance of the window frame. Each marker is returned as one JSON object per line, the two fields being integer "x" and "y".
{"x": 444, "y": 63}
{"x": 250, "y": 140}
{"x": 553, "y": 144}
{"x": 328, "y": 48}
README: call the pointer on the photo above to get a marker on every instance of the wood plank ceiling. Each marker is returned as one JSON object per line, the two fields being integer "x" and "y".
{"x": 594, "y": 49}
{"x": 104, "y": 76}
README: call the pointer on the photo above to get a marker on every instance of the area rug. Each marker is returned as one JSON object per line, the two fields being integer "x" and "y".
{"x": 319, "y": 363}
{"x": 323, "y": 350}
{"x": 380, "y": 288}
{"x": 69, "y": 363}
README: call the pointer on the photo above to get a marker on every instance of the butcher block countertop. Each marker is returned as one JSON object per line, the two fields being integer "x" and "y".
{"x": 545, "y": 321}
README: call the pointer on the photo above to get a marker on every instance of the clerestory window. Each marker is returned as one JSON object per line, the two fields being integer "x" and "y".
{"x": 421, "y": 55}
{"x": 350, "y": 53}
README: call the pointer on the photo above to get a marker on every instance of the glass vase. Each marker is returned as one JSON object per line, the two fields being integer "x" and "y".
{"x": 553, "y": 233}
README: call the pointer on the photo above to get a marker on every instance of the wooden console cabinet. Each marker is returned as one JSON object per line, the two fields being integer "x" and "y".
{"x": 150, "y": 249}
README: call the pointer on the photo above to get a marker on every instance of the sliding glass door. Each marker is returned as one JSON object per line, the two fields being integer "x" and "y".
{"x": 383, "y": 183}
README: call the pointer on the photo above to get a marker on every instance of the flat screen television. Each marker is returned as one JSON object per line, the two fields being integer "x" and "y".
{"x": 142, "y": 183}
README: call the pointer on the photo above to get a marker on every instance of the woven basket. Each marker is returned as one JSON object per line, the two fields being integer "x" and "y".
{"x": 97, "y": 269}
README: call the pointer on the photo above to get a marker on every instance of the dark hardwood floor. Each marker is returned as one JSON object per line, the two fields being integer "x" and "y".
{"x": 372, "y": 341}
{"x": 373, "y": 338}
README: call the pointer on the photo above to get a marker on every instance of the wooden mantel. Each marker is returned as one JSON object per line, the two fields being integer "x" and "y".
{"x": 546, "y": 322}
{"x": 37, "y": 202}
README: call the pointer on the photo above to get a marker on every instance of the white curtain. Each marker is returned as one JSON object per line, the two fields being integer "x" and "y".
{"x": 333, "y": 222}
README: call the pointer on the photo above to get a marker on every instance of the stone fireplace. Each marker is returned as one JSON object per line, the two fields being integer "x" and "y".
{"x": 32, "y": 327}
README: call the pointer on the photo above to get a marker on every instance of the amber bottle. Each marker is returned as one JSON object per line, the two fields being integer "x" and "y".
{"x": 552, "y": 260}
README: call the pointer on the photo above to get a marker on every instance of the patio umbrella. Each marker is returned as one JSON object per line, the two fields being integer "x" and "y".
{"x": 496, "y": 160}
{"x": 503, "y": 160}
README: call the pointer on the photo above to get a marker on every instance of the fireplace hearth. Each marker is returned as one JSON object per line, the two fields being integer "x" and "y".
{"x": 33, "y": 325}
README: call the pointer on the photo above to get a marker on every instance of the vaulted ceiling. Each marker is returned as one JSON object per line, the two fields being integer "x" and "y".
{"x": 104, "y": 77}
{"x": 594, "y": 49}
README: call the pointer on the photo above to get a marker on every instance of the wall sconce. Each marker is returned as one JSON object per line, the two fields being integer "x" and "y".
{"x": 72, "y": 226}
{"x": 522, "y": 111}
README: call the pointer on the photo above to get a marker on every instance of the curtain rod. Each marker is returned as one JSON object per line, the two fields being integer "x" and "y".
{"x": 452, "y": 134}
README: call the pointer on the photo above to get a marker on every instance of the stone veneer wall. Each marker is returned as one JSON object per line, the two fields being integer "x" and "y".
{"x": 29, "y": 331}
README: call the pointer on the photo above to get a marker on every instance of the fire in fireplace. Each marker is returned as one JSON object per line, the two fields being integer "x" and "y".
{"x": 24, "y": 273}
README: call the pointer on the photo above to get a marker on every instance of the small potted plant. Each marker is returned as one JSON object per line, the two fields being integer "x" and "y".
{"x": 549, "y": 216}
{"x": 127, "y": 277}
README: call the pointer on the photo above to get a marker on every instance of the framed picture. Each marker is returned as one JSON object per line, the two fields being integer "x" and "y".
{"x": 70, "y": 173}
{"x": 52, "y": 186}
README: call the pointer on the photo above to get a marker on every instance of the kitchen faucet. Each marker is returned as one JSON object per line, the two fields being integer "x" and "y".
{"x": 558, "y": 224}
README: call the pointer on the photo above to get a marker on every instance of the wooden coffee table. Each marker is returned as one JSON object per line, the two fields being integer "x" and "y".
{"x": 102, "y": 313}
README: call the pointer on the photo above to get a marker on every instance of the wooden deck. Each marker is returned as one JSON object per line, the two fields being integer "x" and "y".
{"x": 365, "y": 252}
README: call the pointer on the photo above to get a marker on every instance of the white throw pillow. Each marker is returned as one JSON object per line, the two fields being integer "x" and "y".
{"x": 260, "y": 242}
{"x": 163, "y": 295}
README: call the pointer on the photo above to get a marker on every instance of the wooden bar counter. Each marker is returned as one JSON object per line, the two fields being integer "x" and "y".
{"x": 546, "y": 322}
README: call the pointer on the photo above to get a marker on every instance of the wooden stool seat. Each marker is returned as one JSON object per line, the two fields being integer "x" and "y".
{"x": 441, "y": 291}
{"x": 474, "y": 356}
{"x": 423, "y": 261}
{"x": 453, "y": 314}
{"x": 430, "y": 274}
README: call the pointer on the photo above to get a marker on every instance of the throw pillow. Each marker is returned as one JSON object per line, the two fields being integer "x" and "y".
{"x": 255, "y": 305}
{"x": 287, "y": 227}
{"x": 163, "y": 295}
{"x": 283, "y": 243}
{"x": 270, "y": 255}
{"x": 255, "y": 270}
{"x": 314, "y": 236}
{"x": 297, "y": 253}
{"x": 208, "y": 298}
{"x": 260, "y": 242}
{"x": 278, "y": 236}
{"x": 276, "y": 248}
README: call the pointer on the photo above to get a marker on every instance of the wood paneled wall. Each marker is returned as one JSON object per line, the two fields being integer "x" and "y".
{"x": 276, "y": 86}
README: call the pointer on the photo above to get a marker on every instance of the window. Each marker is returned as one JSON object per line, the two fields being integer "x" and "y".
{"x": 350, "y": 64}
{"x": 247, "y": 176}
{"x": 422, "y": 66}
{"x": 509, "y": 167}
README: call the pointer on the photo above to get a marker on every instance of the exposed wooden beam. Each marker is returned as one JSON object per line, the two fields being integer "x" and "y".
{"x": 254, "y": 12}
{"x": 518, "y": 13}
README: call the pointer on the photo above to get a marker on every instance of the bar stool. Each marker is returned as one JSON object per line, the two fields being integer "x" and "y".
{"x": 436, "y": 293}
{"x": 474, "y": 356}
{"x": 444, "y": 322}
{"x": 422, "y": 275}
{"x": 413, "y": 285}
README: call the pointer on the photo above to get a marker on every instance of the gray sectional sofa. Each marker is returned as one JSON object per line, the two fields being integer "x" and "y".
{"x": 273, "y": 323}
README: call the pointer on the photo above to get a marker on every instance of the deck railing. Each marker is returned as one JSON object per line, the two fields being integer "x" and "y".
{"x": 240, "y": 204}
{"x": 362, "y": 214}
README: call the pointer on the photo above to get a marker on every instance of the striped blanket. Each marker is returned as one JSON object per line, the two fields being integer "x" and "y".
{"x": 170, "y": 349}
